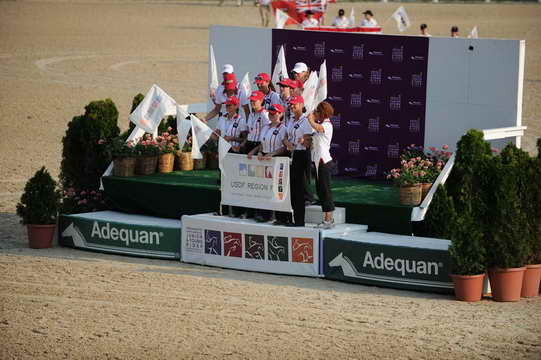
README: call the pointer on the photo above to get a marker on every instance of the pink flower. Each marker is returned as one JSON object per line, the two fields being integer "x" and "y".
{"x": 83, "y": 192}
{"x": 93, "y": 192}
{"x": 165, "y": 134}
{"x": 101, "y": 142}
{"x": 169, "y": 128}
{"x": 494, "y": 150}
{"x": 445, "y": 147}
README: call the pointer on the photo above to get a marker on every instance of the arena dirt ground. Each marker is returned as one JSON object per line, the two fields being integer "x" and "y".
{"x": 56, "y": 57}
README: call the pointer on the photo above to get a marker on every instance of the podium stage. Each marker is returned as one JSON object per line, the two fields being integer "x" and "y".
{"x": 372, "y": 203}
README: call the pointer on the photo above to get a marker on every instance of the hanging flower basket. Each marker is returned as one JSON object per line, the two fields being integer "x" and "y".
{"x": 146, "y": 165}
{"x": 166, "y": 163}
{"x": 410, "y": 194}
{"x": 184, "y": 160}
{"x": 124, "y": 166}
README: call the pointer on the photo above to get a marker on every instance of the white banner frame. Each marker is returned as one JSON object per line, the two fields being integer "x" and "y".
{"x": 245, "y": 183}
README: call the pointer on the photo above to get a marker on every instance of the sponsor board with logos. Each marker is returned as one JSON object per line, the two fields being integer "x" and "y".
{"x": 114, "y": 232}
{"x": 386, "y": 260}
{"x": 377, "y": 85}
{"x": 246, "y": 245}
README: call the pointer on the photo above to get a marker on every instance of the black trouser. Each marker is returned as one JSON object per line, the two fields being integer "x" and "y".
{"x": 323, "y": 186}
{"x": 308, "y": 196}
{"x": 297, "y": 179}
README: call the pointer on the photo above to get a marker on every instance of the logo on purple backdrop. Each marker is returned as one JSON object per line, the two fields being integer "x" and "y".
{"x": 392, "y": 126}
{"x": 213, "y": 242}
{"x": 395, "y": 102}
{"x": 417, "y": 58}
{"x": 373, "y": 101}
{"x": 337, "y": 74}
{"x": 356, "y": 100}
{"x": 356, "y": 76}
{"x": 373, "y": 125}
{"x": 393, "y": 151}
{"x": 394, "y": 78}
{"x": 397, "y": 55}
{"x": 375, "y": 53}
{"x": 354, "y": 147}
{"x": 351, "y": 169}
{"x": 371, "y": 170}
{"x": 335, "y": 120}
{"x": 353, "y": 123}
{"x": 357, "y": 52}
{"x": 415, "y": 125}
{"x": 417, "y": 80}
{"x": 375, "y": 77}
{"x": 335, "y": 98}
{"x": 415, "y": 103}
{"x": 337, "y": 51}
{"x": 319, "y": 49}
{"x": 335, "y": 146}
{"x": 299, "y": 48}
{"x": 371, "y": 148}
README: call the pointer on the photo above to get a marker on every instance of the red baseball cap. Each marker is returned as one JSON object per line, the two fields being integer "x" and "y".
{"x": 233, "y": 100}
{"x": 288, "y": 82}
{"x": 276, "y": 108}
{"x": 230, "y": 81}
{"x": 262, "y": 77}
{"x": 296, "y": 99}
{"x": 257, "y": 95}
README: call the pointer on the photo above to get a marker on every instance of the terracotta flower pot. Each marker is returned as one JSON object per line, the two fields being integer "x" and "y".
{"x": 506, "y": 284}
{"x": 410, "y": 194}
{"x": 530, "y": 283}
{"x": 468, "y": 287}
{"x": 425, "y": 188}
{"x": 40, "y": 236}
{"x": 166, "y": 163}
{"x": 124, "y": 166}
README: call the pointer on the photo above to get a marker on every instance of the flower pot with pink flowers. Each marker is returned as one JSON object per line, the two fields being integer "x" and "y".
{"x": 168, "y": 145}
{"x": 147, "y": 151}
{"x": 123, "y": 155}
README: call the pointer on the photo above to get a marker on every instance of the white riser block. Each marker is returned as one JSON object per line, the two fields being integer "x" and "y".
{"x": 314, "y": 215}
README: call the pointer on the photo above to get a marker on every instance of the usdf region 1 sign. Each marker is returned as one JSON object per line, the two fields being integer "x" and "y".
{"x": 85, "y": 231}
{"x": 374, "y": 261}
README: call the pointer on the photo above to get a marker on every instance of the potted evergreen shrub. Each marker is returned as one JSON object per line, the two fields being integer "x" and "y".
{"x": 123, "y": 156}
{"x": 467, "y": 251}
{"x": 507, "y": 231}
{"x": 407, "y": 178}
{"x": 147, "y": 152}
{"x": 38, "y": 209}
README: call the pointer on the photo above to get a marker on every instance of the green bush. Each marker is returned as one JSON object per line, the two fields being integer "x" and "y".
{"x": 84, "y": 158}
{"x": 441, "y": 218}
{"x": 40, "y": 201}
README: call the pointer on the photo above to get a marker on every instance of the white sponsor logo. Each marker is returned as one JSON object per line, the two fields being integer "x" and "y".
{"x": 335, "y": 98}
{"x": 299, "y": 48}
{"x": 417, "y": 58}
{"x": 348, "y": 169}
{"x": 415, "y": 103}
{"x": 353, "y": 123}
{"x": 373, "y": 101}
{"x": 375, "y": 53}
{"x": 371, "y": 148}
{"x": 394, "y": 78}
{"x": 127, "y": 236}
{"x": 392, "y": 126}
{"x": 337, "y": 51}
{"x": 355, "y": 76}
{"x": 402, "y": 266}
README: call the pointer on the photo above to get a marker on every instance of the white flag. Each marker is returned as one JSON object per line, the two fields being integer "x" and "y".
{"x": 200, "y": 135}
{"x": 245, "y": 89}
{"x": 321, "y": 92}
{"x": 213, "y": 74}
{"x": 352, "y": 17}
{"x": 280, "y": 68}
{"x": 401, "y": 18}
{"x": 223, "y": 149}
{"x": 474, "y": 34}
{"x": 281, "y": 19}
{"x": 183, "y": 127}
{"x": 150, "y": 112}
{"x": 309, "y": 93}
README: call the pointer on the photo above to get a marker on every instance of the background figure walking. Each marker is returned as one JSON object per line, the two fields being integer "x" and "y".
{"x": 264, "y": 11}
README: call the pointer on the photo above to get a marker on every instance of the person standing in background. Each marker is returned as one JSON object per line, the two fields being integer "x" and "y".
{"x": 424, "y": 30}
{"x": 369, "y": 20}
{"x": 341, "y": 21}
{"x": 454, "y": 32}
{"x": 264, "y": 11}
{"x": 310, "y": 21}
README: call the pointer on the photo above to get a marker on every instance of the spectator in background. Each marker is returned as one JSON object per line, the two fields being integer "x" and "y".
{"x": 369, "y": 20}
{"x": 310, "y": 21}
{"x": 341, "y": 21}
{"x": 264, "y": 11}
{"x": 424, "y": 30}
{"x": 454, "y": 31}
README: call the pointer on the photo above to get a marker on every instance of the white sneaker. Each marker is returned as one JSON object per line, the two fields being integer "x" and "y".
{"x": 327, "y": 224}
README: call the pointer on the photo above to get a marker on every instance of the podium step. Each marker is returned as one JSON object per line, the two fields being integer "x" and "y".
{"x": 314, "y": 215}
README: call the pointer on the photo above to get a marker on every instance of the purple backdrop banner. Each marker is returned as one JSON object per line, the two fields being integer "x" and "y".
{"x": 377, "y": 85}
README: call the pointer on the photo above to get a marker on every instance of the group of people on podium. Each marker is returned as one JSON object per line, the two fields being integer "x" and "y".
{"x": 276, "y": 123}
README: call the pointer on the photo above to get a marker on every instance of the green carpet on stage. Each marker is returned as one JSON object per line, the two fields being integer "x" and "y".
{"x": 372, "y": 203}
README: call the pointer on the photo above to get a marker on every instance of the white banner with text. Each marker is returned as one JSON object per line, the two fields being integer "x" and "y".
{"x": 253, "y": 183}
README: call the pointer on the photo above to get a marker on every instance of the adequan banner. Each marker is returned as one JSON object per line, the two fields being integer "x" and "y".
{"x": 245, "y": 245}
{"x": 256, "y": 184}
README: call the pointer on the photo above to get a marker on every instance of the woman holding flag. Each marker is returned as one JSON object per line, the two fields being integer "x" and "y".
{"x": 264, "y": 84}
{"x": 228, "y": 88}
{"x": 297, "y": 143}
{"x": 257, "y": 120}
{"x": 272, "y": 137}
{"x": 286, "y": 91}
